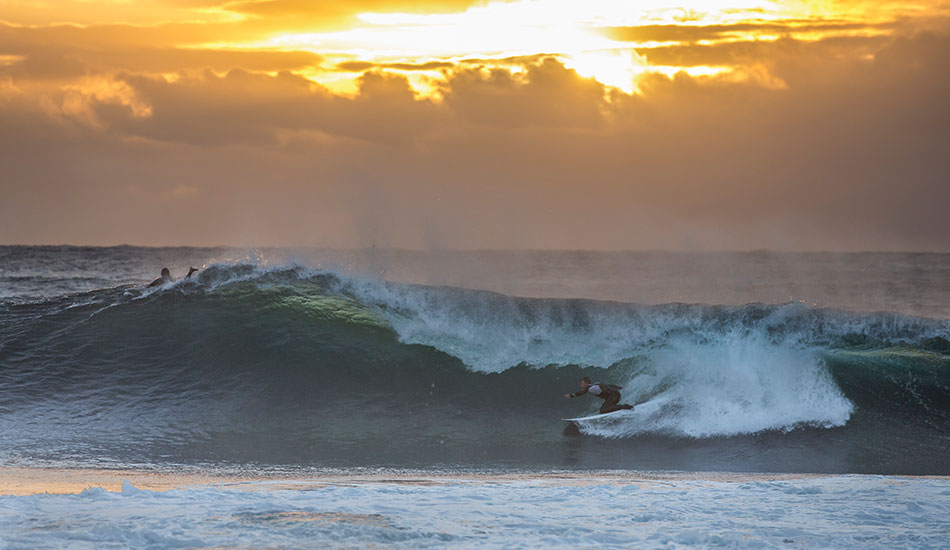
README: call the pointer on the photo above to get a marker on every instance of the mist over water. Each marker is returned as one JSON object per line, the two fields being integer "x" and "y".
{"x": 744, "y": 362}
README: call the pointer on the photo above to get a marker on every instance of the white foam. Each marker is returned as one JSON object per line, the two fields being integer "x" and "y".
{"x": 736, "y": 386}
{"x": 860, "y": 512}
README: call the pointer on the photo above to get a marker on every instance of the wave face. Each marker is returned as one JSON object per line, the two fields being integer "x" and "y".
{"x": 292, "y": 365}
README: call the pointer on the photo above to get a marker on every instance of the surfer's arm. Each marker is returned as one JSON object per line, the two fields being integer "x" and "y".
{"x": 575, "y": 394}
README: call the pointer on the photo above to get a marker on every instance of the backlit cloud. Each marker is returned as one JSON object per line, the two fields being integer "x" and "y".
{"x": 535, "y": 123}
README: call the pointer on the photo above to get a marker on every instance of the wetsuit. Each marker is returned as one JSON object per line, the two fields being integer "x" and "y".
{"x": 608, "y": 392}
{"x": 160, "y": 281}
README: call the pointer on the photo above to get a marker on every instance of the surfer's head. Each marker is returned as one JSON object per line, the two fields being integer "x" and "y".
{"x": 585, "y": 382}
{"x": 166, "y": 273}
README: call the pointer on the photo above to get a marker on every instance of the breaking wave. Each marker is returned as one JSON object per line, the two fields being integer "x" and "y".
{"x": 291, "y": 364}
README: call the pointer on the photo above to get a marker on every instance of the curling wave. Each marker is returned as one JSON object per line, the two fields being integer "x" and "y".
{"x": 292, "y": 364}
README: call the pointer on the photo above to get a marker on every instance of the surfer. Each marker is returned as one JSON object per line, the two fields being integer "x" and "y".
{"x": 166, "y": 276}
{"x": 610, "y": 393}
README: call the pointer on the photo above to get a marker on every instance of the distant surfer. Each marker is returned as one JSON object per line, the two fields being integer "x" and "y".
{"x": 166, "y": 276}
{"x": 610, "y": 393}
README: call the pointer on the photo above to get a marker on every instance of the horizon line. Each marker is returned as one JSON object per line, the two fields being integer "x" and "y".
{"x": 484, "y": 250}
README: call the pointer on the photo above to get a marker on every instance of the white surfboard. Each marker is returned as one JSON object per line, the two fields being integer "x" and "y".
{"x": 643, "y": 409}
{"x": 622, "y": 412}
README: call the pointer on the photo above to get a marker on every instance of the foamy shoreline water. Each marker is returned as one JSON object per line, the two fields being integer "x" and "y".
{"x": 441, "y": 508}
{"x": 18, "y": 480}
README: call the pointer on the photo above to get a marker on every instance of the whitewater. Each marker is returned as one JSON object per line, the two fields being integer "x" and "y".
{"x": 304, "y": 384}
{"x": 599, "y": 510}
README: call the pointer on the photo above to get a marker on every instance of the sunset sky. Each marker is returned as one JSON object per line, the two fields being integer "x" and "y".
{"x": 666, "y": 124}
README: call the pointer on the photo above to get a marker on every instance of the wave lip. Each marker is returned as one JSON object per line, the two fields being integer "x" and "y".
{"x": 492, "y": 332}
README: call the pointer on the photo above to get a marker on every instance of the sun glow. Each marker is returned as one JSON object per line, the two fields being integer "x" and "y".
{"x": 614, "y": 42}
{"x": 494, "y": 32}
{"x": 578, "y": 33}
{"x": 615, "y": 68}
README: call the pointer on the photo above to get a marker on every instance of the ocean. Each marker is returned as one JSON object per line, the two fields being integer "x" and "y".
{"x": 786, "y": 396}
